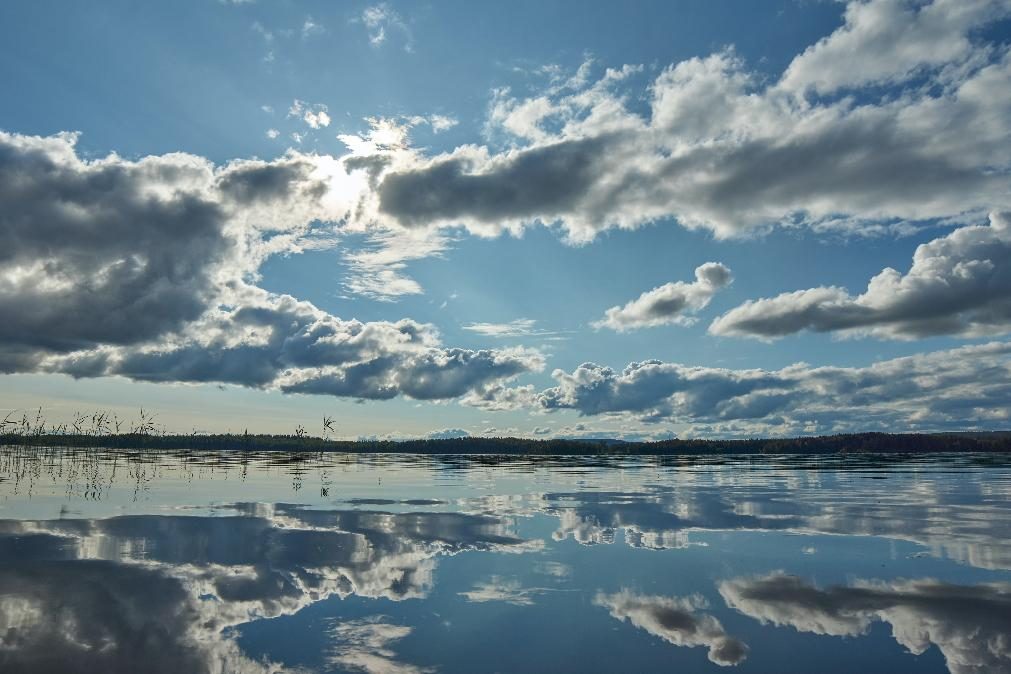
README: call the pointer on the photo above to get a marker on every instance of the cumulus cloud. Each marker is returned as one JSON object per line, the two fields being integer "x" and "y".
{"x": 959, "y": 284}
{"x": 968, "y": 623}
{"x": 107, "y": 252}
{"x": 277, "y": 341}
{"x": 722, "y": 148}
{"x": 968, "y": 386}
{"x": 670, "y": 302}
{"x": 677, "y": 620}
{"x": 143, "y": 269}
{"x": 884, "y": 41}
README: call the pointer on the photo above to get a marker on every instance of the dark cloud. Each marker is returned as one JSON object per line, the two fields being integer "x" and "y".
{"x": 542, "y": 182}
{"x": 677, "y": 620}
{"x": 109, "y": 252}
{"x": 970, "y": 624}
{"x": 249, "y": 182}
{"x": 105, "y": 618}
{"x": 142, "y": 268}
{"x": 162, "y": 592}
{"x": 722, "y": 150}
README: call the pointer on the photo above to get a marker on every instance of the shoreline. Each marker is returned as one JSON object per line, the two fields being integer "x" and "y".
{"x": 852, "y": 443}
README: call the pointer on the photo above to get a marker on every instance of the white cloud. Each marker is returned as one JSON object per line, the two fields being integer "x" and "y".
{"x": 440, "y": 123}
{"x": 888, "y": 41}
{"x": 380, "y": 20}
{"x": 520, "y": 327}
{"x": 313, "y": 114}
{"x": 507, "y": 591}
{"x": 365, "y": 646}
{"x": 722, "y": 149}
{"x": 965, "y": 387}
{"x": 959, "y": 284}
{"x": 273, "y": 133}
{"x": 377, "y": 270}
{"x": 448, "y": 434}
{"x": 671, "y": 303}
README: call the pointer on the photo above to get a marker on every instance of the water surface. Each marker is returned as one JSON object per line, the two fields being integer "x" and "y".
{"x": 114, "y": 561}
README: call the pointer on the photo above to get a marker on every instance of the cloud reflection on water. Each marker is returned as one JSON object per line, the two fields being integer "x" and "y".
{"x": 105, "y": 594}
{"x": 970, "y": 624}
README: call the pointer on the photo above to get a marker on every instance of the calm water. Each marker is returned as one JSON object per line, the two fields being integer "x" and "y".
{"x": 134, "y": 562}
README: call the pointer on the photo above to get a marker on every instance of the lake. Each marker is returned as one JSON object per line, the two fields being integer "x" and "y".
{"x": 119, "y": 561}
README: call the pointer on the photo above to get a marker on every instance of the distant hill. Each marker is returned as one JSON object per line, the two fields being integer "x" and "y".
{"x": 999, "y": 441}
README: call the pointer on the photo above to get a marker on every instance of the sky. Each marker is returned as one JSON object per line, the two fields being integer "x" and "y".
{"x": 539, "y": 219}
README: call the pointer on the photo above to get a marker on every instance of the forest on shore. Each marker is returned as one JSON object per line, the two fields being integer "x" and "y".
{"x": 905, "y": 443}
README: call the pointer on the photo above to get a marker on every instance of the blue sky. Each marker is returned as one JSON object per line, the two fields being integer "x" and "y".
{"x": 688, "y": 218}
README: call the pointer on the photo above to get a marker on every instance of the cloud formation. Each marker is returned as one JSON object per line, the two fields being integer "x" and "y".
{"x": 959, "y": 284}
{"x": 316, "y": 115}
{"x": 670, "y": 302}
{"x": 887, "y": 42}
{"x": 97, "y": 595}
{"x": 724, "y": 149}
{"x": 144, "y": 269}
{"x": 968, "y": 386}
{"x": 380, "y": 20}
{"x": 968, "y": 623}
{"x": 679, "y": 621}
{"x": 365, "y": 646}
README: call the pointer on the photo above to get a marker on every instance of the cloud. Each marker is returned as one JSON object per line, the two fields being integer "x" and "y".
{"x": 968, "y": 623}
{"x": 380, "y": 20}
{"x": 723, "y": 149}
{"x": 365, "y": 646}
{"x": 959, "y": 284}
{"x": 143, "y": 269}
{"x": 277, "y": 341}
{"x": 376, "y": 271}
{"x": 679, "y": 621}
{"x": 508, "y": 591}
{"x": 670, "y": 302}
{"x": 313, "y": 114}
{"x": 448, "y": 433}
{"x": 440, "y": 123}
{"x": 97, "y": 595}
{"x": 655, "y": 519}
{"x": 885, "y": 42}
{"x": 107, "y": 252}
{"x": 100, "y": 617}
{"x": 309, "y": 28}
{"x": 520, "y": 327}
{"x": 967, "y": 387}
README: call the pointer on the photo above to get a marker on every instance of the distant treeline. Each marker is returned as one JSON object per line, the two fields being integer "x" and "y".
{"x": 826, "y": 444}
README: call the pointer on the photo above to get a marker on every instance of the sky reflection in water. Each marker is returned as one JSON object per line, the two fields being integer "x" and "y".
{"x": 129, "y": 561}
